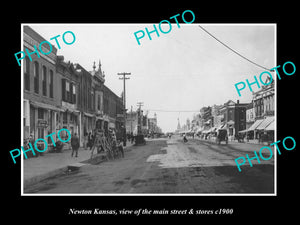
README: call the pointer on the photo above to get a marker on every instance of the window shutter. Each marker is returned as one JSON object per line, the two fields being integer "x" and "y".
{"x": 71, "y": 93}
{"x": 74, "y": 94}
{"x": 63, "y": 89}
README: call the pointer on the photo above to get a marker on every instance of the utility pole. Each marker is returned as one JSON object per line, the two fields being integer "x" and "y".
{"x": 139, "y": 104}
{"x": 124, "y": 103}
{"x": 131, "y": 120}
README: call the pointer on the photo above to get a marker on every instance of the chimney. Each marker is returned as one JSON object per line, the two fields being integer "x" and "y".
{"x": 238, "y": 102}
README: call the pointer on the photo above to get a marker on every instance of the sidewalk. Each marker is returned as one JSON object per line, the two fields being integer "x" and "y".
{"x": 253, "y": 142}
{"x": 39, "y": 168}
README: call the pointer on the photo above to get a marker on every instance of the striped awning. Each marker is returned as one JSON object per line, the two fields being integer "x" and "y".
{"x": 199, "y": 129}
{"x": 271, "y": 126}
{"x": 221, "y": 126}
{"x": 88, "y": 114}
{"x": 255, "y": 124}
{"x": 266, "y": 122}
{"x": 243, "y": 131}
{"x": 70, "y": 110}
{"x": 45, "y": 106}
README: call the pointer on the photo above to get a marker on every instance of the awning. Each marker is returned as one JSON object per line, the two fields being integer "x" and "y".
{"x": 194, "y": 129}
{"x": 243, "y": 131}
{"x": 207, "y": 122}
{"x": 265, "y": 123}
{"x": 199, "y": 129}
{"x": 221, "y": 127}
{"x": 70, "y": 110}
{"x": 206, "y": 131}
{"x": 88, "y": 114}
{"x": 255, "y": 124}
{"x": 213, "y": 129}
{"x": 45, "y": 106}
{"x": 271, "y": 126}
{"x": 230, "y": 122}
{"x": 111, "y": 125}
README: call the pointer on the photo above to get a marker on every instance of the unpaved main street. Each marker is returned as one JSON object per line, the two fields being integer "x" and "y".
{"x": 169, "y": 166}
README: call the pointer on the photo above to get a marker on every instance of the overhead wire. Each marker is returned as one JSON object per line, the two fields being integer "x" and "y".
{"x": 175, "y": 111}
{"x": 234, "y": 50}
{"x": 179, "y": 111}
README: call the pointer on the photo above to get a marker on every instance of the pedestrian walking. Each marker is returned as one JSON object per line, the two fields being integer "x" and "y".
{"x": 120, "y": 148}
{"x": 85, "y": 141}
{"x": 75, "y": 144}
{"x": 91, "y": 139}
{"x": 184, "y": 138}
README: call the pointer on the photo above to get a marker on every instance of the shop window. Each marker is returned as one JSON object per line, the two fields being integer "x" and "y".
{"x": 65, "y": 117}
{"x": 40, "y": 132}
{"x": 75, "y": 118}
{"x": 40, "y": 113}
{"x": 71, "y": 117}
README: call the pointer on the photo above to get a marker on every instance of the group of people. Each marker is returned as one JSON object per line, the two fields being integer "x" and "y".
{"x": 97, "y": 140}
{"x": 130, "y": 137}
{"x": 29, "y": 143}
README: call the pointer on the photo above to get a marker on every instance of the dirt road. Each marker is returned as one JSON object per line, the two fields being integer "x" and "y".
{"x": 168, "y": 166}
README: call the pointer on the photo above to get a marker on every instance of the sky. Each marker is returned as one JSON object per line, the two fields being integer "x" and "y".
{"x": 183, "y": 70}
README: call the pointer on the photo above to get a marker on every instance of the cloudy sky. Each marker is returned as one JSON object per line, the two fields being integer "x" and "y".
{"x": 183, "y": 70}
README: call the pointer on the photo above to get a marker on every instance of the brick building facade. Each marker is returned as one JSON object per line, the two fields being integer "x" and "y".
{"x": 41, "y": 89}
{"x": 59, "y": 94}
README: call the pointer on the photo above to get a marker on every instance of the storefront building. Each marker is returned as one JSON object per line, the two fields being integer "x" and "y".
{"x": 234, "y": 117}
{"x": 41, "y": 89}
{"x": 70, "y": 115}
{"x": 59, "y": 94}
{"x": 87, "y": 115}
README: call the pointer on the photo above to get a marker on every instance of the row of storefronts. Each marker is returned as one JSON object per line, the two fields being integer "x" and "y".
{"x": 254, "y": 121}
{"x": 59, "y": 94}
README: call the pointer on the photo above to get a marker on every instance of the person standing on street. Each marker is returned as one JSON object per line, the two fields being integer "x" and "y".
{"x": 74, "y": 144}
{"x": 85, "y": 141}
{"x": 184, "y": 138}
{"x": 120, "y": 148}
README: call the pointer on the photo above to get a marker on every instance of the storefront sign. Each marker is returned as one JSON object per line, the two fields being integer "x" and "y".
{"x": 105, "y": 117}
{"x": 111, "y": 125}
{"x": 42, "y": 123}
{"x": 68, "y": 105}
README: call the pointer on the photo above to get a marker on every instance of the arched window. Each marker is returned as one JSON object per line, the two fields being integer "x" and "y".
{"x": 44, "y": 80}
{"x": 36, "y": 77}
{"x": 27, "y": 74}
{"x": 51, "y": 84}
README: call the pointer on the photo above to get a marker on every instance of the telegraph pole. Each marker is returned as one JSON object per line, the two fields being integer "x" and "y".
{"x": 124, "y": 102}
{"x": 140, "y": 104}
{"x": 131, "y": 120}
